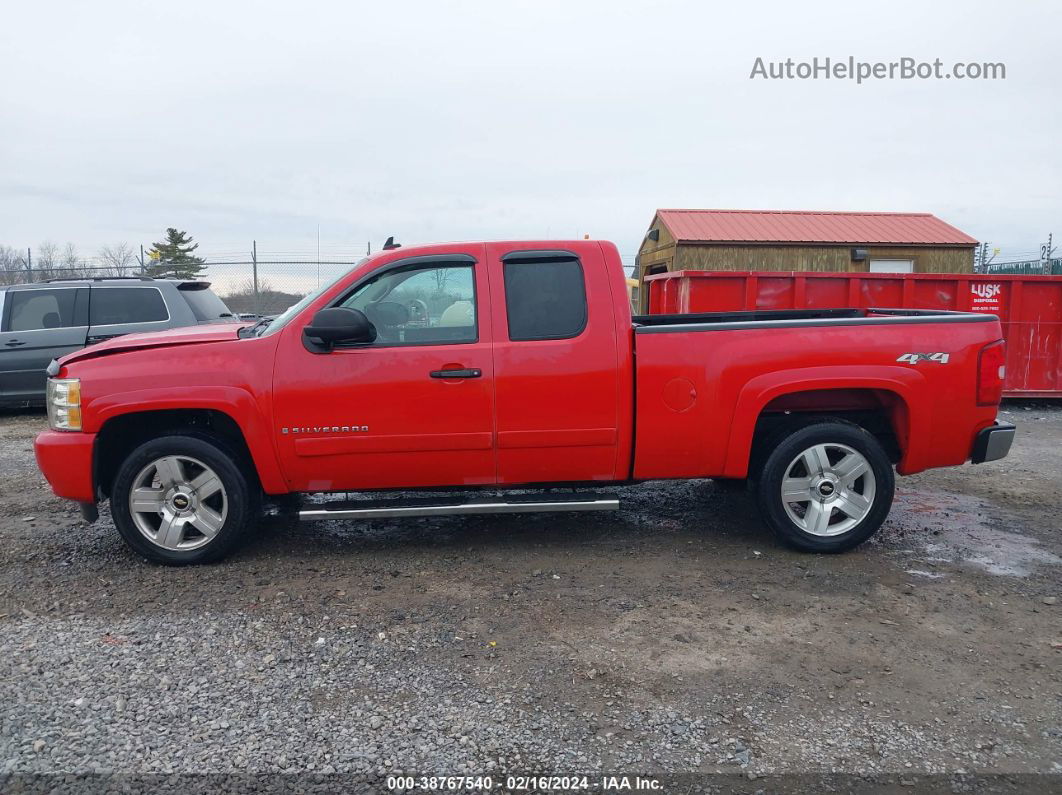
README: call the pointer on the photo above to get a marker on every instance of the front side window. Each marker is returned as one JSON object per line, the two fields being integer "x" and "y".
{"x": 40, "y": 309}
{"x": 423, "y": 305}
{"x": 112, "y": 306}
{"x": 545, "y": 299}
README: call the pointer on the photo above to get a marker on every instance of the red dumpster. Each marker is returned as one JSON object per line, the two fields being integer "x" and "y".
{"x": 1029, "y": 307}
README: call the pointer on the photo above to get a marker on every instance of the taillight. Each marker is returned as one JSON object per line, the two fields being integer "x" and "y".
{"x": 991, "y": 370}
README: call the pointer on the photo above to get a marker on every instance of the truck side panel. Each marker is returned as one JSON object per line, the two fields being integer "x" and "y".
{"x": 232, "y": 377}
{"x": 700, "y": 393}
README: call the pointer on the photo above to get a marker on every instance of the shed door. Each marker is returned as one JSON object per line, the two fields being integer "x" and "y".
{"x": 892, "y": 266}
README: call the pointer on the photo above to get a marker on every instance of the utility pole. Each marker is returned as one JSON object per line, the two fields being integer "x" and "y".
{"x": 254, "y": 266}
{"x": 29, "y": 260}
{"x": 141, "y": 259}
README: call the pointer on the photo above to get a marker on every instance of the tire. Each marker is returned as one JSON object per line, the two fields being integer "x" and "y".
{"x": 841, "y": 482}
{"x": 196, "y": 500}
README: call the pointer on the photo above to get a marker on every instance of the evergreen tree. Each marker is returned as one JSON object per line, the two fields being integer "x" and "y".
{"x": 174, "y": 257}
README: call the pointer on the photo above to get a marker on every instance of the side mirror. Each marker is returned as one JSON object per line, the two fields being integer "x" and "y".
{"x": 340, "y": 324}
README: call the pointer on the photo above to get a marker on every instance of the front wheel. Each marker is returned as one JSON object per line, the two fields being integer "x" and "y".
{"x": 182, "y": 499}
{"x": 826, "y": 487}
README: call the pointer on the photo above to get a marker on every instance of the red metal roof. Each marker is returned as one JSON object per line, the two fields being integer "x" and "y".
{"x": 782, "y": 226}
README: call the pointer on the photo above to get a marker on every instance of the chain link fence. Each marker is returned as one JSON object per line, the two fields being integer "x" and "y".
{"x": 253, "y": 287}
{"x": 269, "y": 286}
{"x": 1027, "y": 268}
{"x": 270, "y": 283}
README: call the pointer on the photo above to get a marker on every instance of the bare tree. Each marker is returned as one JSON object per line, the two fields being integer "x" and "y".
{"x": 119, "y": 259}
{"x": 70, "y": 265}
{"x": 53, "y": 262}
{"x": 12, "y": 266}
{"x": 46, "y": 260}
{"x": 442, "y": 276}
{"x": 245, "y": 287}
{"x": 71, "y": 261}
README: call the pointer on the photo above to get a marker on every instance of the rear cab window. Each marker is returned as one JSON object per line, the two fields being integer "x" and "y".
{"x": 545, "y": 295}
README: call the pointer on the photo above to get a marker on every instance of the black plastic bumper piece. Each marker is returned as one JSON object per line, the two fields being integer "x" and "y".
{"x": 993, "y": 443}
{"x": 89, "y": 511}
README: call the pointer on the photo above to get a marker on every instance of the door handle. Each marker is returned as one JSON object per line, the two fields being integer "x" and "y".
{"x": 472, "y": 372}
{"x": 14, "y": 343}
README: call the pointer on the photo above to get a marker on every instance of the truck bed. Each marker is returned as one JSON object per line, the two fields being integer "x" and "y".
{"x": 699, "y": 398}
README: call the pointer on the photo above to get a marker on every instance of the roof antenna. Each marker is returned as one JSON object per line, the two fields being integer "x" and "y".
{"x": 391, "y": 244}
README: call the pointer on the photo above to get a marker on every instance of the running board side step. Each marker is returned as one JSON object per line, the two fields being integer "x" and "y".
{"x": 364, "y": 509}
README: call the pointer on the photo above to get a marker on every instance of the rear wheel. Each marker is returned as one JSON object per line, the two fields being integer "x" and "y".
{"x": 182, "y": 499}
{"x": 826, "y": 487}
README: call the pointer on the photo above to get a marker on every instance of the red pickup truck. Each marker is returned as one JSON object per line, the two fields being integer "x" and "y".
{"x": 514, "y": 367}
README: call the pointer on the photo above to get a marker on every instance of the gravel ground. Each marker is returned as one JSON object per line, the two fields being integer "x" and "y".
{"x": 674, "y": 636}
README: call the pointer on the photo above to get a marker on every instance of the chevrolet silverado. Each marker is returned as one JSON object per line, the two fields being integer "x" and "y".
{"x": 514, "y": 372}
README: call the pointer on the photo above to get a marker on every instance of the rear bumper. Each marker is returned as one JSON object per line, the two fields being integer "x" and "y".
{"x": 993, "y": 443}
{"x": 66, "y": 460}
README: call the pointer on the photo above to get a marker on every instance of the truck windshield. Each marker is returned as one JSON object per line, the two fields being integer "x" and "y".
{"x": 281, "y": 320}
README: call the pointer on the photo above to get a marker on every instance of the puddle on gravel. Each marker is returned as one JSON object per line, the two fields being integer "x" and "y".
{"x": 952, "y": 528}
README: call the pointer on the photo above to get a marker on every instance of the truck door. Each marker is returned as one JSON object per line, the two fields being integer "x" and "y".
{"x": 38, "y": 325}
{"x": 414, "y": 408}
{"x": 556, "y": 365}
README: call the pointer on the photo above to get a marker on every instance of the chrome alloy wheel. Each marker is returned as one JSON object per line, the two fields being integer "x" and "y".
{"x": 828, "y": 489}
{"x": 178, "y": 503}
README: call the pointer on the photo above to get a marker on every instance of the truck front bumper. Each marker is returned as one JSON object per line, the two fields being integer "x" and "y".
{"x": 993, "y": 443}
{"x": 65, "y": 458}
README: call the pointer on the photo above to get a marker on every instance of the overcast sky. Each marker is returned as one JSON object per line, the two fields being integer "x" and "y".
{"x": 477, "y": 120}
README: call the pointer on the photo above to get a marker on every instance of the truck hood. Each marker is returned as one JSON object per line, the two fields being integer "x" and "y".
{"x": 189, "y": 335}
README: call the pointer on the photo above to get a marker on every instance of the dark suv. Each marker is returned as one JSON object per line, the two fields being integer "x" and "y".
{"x": 43, "y": 321}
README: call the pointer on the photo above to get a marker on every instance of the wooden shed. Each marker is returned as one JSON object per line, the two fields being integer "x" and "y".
{"x": 776, "y": 240}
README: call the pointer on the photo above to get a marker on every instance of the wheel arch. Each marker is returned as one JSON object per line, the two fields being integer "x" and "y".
{"x": 884, "y": 404}
{"x": 123, "y": 431}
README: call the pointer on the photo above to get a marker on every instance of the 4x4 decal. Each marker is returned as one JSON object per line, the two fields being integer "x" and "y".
{"x": 915, "y": 358}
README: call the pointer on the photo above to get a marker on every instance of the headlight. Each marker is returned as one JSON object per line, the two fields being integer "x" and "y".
{"x": 64, "y": 404}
